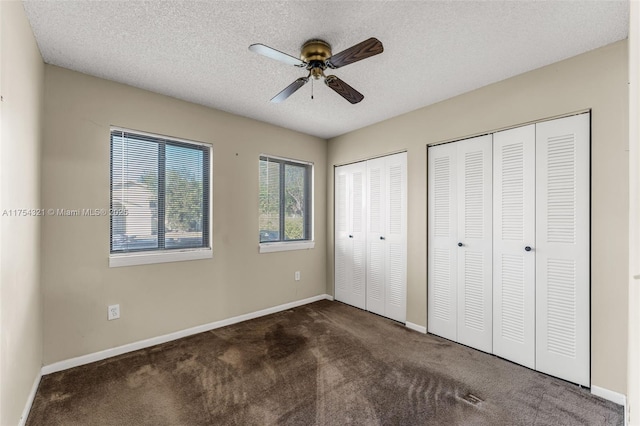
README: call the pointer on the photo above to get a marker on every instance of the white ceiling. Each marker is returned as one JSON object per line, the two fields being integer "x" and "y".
{"x": 433, "y": 50}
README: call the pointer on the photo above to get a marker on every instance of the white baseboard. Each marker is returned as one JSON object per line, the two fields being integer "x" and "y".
{"x": 416, "y": 327}
{"x": 609, "y": 395}
{"x": 30, "y": 398}
{"x": 130, "y": 347}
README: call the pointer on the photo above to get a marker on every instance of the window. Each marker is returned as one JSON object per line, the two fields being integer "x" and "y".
{"x": 160, "y": 206}
{"x": 285, "y": 204}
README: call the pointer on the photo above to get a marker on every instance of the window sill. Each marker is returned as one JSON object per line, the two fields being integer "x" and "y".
{"x": 132, "y": 259}
{"x": 286, "y": 246}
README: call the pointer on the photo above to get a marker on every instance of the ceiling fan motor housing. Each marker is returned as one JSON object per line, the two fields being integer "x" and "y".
{"x": 315, "y": 50}
{"x": 315, "y": 53}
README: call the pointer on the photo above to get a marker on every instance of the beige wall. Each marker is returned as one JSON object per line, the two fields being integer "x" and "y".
{"x": 21, "y": 86}
{"x": 633, "y": 385}
{"x": 159, "y": 299}
{"x": 595, "y": 80}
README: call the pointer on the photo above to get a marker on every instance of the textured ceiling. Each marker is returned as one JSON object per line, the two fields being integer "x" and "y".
{"x": 433, "y": 50}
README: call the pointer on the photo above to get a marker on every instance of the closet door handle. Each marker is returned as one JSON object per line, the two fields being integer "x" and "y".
{"x": 381, "y": 237}
{"x": 460, "y": 244}
{"x": 527, "y": 248}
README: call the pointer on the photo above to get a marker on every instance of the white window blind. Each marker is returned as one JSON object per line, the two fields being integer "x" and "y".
{"x": 162, "y": 187}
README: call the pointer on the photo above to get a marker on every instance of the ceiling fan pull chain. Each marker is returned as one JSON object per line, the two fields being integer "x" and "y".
{"x": 311, "y": 88}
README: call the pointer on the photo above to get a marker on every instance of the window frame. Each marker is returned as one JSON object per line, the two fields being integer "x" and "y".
{"x": 300, "y": 244}
{"x": 163, "y": 255}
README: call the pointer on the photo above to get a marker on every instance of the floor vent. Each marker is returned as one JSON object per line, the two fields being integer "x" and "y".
{"x": 472, "y": 399}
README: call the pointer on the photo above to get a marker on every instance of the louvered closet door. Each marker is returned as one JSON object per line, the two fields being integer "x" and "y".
{"x": 442, "y": 239}
{"x": 474, "y": 243}
{"x": 562, "y": 248}
{"x": 343, "y": 246}
{"x": 376, "y": 218}
{"x": 513, "y": 231}
{"x": 395, "y": 237}
{"x": 350, "y": 245}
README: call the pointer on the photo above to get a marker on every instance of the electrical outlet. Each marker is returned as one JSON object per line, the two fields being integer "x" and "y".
{"x": 297, "y": 275}
{"x": 113, "y": 312}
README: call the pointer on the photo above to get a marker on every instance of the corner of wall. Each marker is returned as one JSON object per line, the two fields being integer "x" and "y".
{"x": 22, "y": 90}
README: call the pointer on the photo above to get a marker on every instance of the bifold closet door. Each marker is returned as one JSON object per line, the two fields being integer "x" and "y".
{"x": 459, "y": 242}
{"x": 387, "y": 236}
{"x": 350, "y": 236}
{"x": 514, "y": 283}
{"x": 395, "y": 237}
{"x": 562, "y": 248}
{"x": 508, "y": 245}
{"x": 442, "y": 253}
{"x": 474, "y": 189}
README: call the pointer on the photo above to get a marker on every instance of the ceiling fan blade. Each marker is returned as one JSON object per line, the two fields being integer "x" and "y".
{"x": 343, "y": 89}
{"x": 290, "y": 89}
{"x": 356, "y": 53}
{"x": 272, "y": 53}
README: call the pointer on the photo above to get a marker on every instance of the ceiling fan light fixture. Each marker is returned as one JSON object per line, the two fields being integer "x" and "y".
{"x": 317, "y": 72}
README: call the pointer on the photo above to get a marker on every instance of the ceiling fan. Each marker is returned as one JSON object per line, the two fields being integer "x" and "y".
{"x": 316, "y": 57}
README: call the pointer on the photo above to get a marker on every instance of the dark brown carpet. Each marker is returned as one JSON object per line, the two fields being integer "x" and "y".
{"x": 323, "y": 364}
